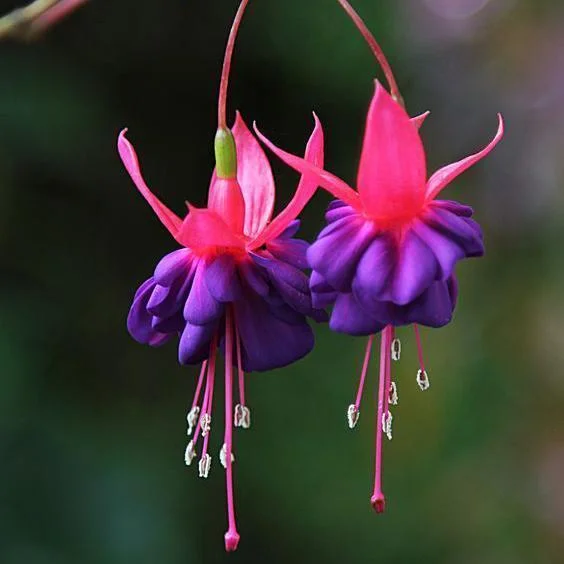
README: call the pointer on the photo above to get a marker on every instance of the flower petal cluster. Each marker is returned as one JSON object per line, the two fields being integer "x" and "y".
{"x": 243, "y": 260}
{"x": 388, "y": 253}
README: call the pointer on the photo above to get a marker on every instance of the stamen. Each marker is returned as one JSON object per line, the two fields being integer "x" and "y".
{"x": 422, "y": 376}
{"x": 396, "y": 349}
{"x": 194, "y": 413}
{"x": 204, "y": 465}
{"x": 189, "y": 453}
{"x": 378, "y": 500}
{"x": 223, "y": 456}
{"x": 393, "y": 395}
{"x": 242, "y": 414}
{"x": 231, "y": 536}
{"x": 423, "y": 380}
{"x": 387, "y": 424}
{"x": 353, "y": 411}
{"x": 352, "y": 415}
{"x": 206, "y": 424}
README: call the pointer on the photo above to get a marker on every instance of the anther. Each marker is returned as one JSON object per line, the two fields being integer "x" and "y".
{"x": 192, "y": 419}
{"x": 353, "y": 413}
{"x": 242, "y": 416}
{"x": 223, "y": 456}
{"x": 205, "y": 424}
{"x": 204, "y": 465}
{"x": 396, "y": 349}
{"x": 387, "y": 424}
{"x": 393, "y": 395}
{"x": 423, "y": 380}
{"x": 189, "y": 453}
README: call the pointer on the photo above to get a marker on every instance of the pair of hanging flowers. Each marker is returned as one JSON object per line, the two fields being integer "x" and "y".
{"x": 237, "y": 283}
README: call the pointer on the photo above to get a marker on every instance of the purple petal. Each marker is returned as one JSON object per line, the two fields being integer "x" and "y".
{"x": 447, "y": 251}
{"x": 201, "y": 308}
{"x": 434, "y": 308}
{"x": 172, "y": 266}
{"x": 374, "y": 272}
{"x": 338, "y": 210}
{"x": 415, "y": 271}
{"x": 336, "y": 255}
{"x": 454, "y": 207}
{"x": 349, "y": 317}
{"x": 292, "y": 251}
{"x": 255, "y": 277}
{"x": 174, "y": 324}
{"x": 290, "y": 231}
{"x": 266, "y": 341}
{"x": 195, "y": 342}
{"x": 222, "y": 279}
{"x": 139, "y": 319}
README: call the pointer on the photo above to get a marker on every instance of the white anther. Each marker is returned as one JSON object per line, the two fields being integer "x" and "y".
{"x": 189, "y": 453}
{"x": 223, "y": 456}
{"x": 423, "y": 380}
{"x": 204, "y": 465}
{"x": 192, "y": 419}
{"x": 242, "y": 416}
{"x": 353, "y": 413}
{"x": 205, "y": 423}
{"x": 393, "y": 395}
{"x": 396, "y": 349}
{"x": 387, "y": 424}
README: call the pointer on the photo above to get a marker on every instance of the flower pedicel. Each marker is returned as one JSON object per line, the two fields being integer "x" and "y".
{"x": 388, "y": 254}
{"x": 236, "y": 283}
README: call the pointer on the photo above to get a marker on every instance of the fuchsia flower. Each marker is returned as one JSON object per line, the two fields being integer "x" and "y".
{"x": 236, "y": 283}
{"x": 388, "y": 254}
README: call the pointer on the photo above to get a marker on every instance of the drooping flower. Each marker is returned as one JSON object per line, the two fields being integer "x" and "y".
{"x": 236, "y": 283}
{"x": 388, "y": 254}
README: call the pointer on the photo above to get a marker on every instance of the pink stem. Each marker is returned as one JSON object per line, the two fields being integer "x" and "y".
{"x": 378, "y": 500}
{"x": 222, "y": 101}
{"x": 199, "y": 384}
{"x": 375, "y": 48}
{"x": 364, "y": 371}
{"x": 240, "y": 373}
{"x": 231, "y": 536}
{"x": 419, "y": 347}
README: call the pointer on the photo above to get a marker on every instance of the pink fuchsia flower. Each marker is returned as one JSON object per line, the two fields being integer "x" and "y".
{"x": 236, "y": 283}
{"x": 388, "y": 254}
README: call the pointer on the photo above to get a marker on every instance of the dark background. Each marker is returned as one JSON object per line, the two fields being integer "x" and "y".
{"x": 92, "y": 428}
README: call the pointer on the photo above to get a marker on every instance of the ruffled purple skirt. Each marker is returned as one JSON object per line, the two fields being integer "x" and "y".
{"x": 376, "y": 278}
{"x": 270, "y": 296}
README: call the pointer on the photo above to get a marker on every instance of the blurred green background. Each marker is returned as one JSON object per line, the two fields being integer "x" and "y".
{"x": 92, "y": 425}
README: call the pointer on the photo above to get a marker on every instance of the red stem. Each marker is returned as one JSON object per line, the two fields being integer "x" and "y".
{"x": 375, "y": 48}
{"x": 222, "y": 102}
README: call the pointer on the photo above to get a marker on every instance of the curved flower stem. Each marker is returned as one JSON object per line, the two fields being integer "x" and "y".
{"x": 231, "y": 536}
{"x": 375, "y": 48}
{"x": 222, "y": 101}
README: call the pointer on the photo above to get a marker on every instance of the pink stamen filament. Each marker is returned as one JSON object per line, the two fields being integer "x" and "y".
{"x": 222, "y": 101}
{"x": 240, "y": 373}
{"x": 205, "y": 401}
{"x": 199, "y": 384}
{"x": 208, "y": 408}
{"x": 231, "y": 536}
{"x": 364, "y": 371}
{"x": 378, "y": 500}
{"x": 419, "y": 348}
{"x": 375, "y": 48}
